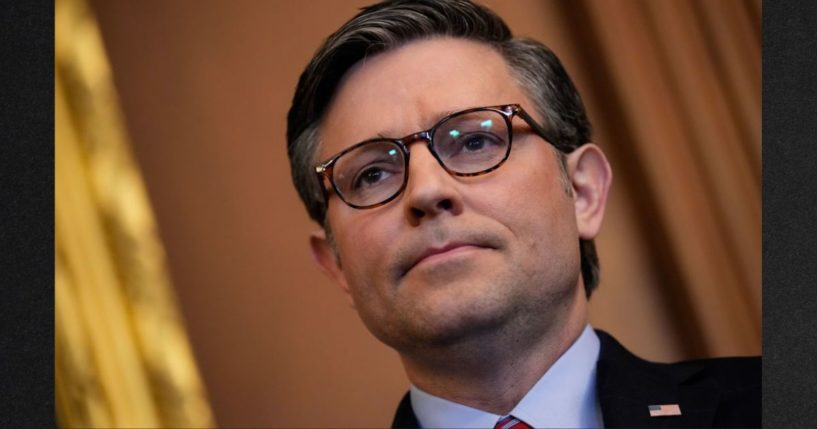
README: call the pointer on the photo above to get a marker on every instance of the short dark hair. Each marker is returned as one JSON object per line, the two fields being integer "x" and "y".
{"x": 390, "y": 24}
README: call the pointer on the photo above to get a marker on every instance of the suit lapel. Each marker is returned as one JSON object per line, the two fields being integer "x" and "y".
{"x": 405, "y": 417}
{"x": 627, "y": 385}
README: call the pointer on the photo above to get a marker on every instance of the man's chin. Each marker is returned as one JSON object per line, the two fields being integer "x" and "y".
{"x": 446, "y": 318}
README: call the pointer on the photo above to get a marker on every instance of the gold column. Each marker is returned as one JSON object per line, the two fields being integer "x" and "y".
{"x": 122, "y": 355}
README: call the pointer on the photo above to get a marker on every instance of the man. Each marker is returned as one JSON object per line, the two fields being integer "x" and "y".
{"x": 449, "y": 166}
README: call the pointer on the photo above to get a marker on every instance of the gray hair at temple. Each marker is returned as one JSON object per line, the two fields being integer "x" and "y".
{"x": 391, "y": 24}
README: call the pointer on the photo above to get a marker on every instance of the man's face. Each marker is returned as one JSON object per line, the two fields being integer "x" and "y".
{"x": 451, "y": 257}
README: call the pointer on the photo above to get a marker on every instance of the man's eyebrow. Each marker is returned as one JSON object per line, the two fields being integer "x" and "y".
{"x": 429, "y": 120}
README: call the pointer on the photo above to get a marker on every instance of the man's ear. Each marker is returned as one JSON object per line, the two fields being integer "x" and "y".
{"x": 590, "y": 177}
{"x": 324, "y": 255}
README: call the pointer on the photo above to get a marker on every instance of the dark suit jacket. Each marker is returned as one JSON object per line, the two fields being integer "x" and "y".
{"x": 721, "y": 392}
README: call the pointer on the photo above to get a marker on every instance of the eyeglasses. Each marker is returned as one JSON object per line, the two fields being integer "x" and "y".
{"x": 467, "y": 143}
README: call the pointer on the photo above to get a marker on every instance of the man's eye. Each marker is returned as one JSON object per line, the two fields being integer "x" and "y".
{"x": 370, "y": 176}
{"x": 475, "y": 143}
{"x": 479, "y": 142}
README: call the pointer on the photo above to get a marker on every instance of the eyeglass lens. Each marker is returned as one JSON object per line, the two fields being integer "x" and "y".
{"x": 466, "y": 143}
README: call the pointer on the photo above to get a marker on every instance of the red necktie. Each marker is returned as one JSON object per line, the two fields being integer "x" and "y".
{"x": 511, "y": 422}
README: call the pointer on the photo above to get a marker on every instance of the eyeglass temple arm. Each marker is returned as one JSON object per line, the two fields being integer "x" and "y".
{"x": 543, "y": 132}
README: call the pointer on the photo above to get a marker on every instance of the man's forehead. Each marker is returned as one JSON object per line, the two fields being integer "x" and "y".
{"x": 411, "y": 87}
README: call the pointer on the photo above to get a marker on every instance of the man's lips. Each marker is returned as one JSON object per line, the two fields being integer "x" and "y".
{"x": 433, "y": 253}
{"x": 441, "y": 243}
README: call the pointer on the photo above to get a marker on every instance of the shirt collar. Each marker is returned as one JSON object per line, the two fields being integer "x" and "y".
{"x": 565, "y": 396}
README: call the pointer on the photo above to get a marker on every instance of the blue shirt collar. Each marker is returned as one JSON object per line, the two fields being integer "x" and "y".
{"x": 564, "y": 397}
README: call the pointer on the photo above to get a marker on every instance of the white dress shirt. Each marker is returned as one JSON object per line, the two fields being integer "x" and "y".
{"x": 565, "y": 396}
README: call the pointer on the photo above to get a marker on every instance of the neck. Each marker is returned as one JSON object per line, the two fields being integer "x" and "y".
{"x": 494, "y": 371}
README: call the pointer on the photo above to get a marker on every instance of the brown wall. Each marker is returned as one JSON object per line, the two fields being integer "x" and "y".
{"x": 671, "y": 87}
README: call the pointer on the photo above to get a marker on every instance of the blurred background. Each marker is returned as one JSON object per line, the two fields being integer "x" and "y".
{"x": 186, "y": 295}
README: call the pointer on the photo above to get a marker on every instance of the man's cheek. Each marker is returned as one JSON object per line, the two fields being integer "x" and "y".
{"x": 363, "y": 261}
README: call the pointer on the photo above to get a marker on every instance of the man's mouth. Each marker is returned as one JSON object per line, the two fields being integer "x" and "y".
{"x": 439, "y": 254}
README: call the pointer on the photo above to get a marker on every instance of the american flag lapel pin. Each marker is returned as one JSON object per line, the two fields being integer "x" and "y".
{"x": 664, "y": 410}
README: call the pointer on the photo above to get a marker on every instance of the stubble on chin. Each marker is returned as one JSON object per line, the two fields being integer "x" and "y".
{"x": 501, "y": 309}
{"x": 438, "y": 316}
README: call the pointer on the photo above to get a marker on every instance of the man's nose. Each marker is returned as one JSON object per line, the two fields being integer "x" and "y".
{"x": 430, "y": 190}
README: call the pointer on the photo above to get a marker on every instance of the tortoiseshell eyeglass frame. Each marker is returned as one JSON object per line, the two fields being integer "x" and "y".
{"x": 325, "y": 169}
